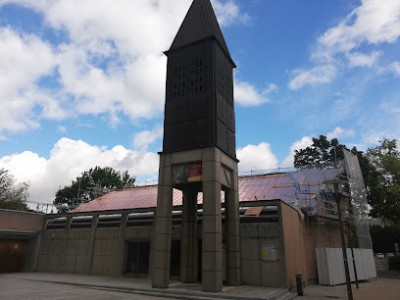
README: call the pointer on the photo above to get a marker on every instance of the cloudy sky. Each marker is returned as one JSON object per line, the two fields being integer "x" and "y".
{"x": 82, "y": 82}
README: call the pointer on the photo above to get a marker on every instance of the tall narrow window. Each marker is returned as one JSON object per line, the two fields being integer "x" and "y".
{"x": 138, "y": 257}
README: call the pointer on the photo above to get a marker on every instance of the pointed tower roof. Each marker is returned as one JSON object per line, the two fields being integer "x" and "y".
{"x": 200, "y": 23}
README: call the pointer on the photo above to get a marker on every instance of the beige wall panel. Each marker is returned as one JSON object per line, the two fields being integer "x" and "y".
{"x": 268, "y": 230}
{"x": 294, "y": 245}
{"x": 272, "y": 274}
{"x": 250, "y": 272}
{"x": 98, "y": 265}
{"x": 21, "y": 220}
{"x": 249, "y": 249}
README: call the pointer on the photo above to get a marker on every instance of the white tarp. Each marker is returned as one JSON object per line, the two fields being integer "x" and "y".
{"x": 330, "y": 265}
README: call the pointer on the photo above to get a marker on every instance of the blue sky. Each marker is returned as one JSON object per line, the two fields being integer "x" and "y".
{"x": 82, "y": 82}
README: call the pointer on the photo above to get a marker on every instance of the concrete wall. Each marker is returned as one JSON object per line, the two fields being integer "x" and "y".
{"x": 73, "y": 251}
{"x": 102, "y": 250}
{"x": 254, "y": 269}
{"x": 106, "y": 252}
{"x": 56, "y": 253}
{"x": 94, "y": 249}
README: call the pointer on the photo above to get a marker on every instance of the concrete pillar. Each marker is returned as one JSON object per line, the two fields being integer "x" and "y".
{"x": 41, "y": 236}
{"x": 63, "y": 267}
{"x": 232, "y": 237}
{"x": 32, "y": 254}
{"x": 162, "y": 227}
{"x": 122, "y": 243}
{"x": 189, "y": 250}
{"x": 92, "y": 240}
{"x": 212, "y": 275}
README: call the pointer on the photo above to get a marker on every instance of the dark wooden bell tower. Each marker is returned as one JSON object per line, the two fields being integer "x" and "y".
{"x": 199, "y": 110}
{"x": 199, "y": 156}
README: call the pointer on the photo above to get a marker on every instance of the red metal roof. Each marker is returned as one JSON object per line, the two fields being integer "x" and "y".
{"x": 283, "y": 186}
{"x": 137, "y": 197}
{"x": 266, "y": 187}
{"x": 262, "y": 187}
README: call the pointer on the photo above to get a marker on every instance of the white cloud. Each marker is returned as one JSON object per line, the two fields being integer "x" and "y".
{"x": 229, "y": 12}
{"x": 25, "y": 59}
{"x": 144, "y": 138}
{"x": 257, "y": 158}
{"x": 68, "y": 159}
{"x": 357, "y": 59}
{"x": 372, "y": 23}
{"x": 111, "y": 63}
{"x": 303, "y": 143}
{"x": 339, "y": 133}
{"x": 248, "y": 95}
{"x": 316, "y": 75}
{"x": 391, "y": 107}
{"x": 135, "y": 89}
{"x": 396, "y": 68}
{"x": 342, "y": 106}
{"x": 62, "y": 129}
{"x": 373, "y": 137}
{"x": 23, "y": 50}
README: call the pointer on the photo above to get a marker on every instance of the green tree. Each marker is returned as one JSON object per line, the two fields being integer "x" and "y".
{"x": 385, "y": 197}
{"x": 321, "y": 153}
{"x": 12, "y": 196}
{"x": 91, "y": 185}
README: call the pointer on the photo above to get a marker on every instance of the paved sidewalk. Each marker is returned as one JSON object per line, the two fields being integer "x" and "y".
{"x": 380, "y": 288}
{"x": 68, "y": 286}
{"x": 17, "y": 289}
{"x": 383, "y": 288}
{"x": 121, "y": 287}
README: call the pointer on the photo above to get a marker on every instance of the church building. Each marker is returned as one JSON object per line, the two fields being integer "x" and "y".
{"x": 201, "y": 223}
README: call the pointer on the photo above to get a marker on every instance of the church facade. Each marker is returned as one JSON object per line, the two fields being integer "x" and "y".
{"x": 114, "y": 234}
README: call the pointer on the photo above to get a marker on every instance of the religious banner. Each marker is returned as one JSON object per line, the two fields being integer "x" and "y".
{"x": 195, "y": 172}
{"x": 189, "y": 172}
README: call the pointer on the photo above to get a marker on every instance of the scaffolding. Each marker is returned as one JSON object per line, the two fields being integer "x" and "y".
{"x": 359, "y": 203}
{"x": 313, "y": 194}
{"x": 315, "y": 191}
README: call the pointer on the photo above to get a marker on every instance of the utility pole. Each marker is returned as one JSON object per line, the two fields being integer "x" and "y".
{"x": 352, "y": 253}
{"x": 338, "y": 198}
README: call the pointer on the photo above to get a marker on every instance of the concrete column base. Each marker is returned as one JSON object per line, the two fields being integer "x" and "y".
{"x": 232, "y": 237}
{"x": 161, "y": 248}
{"x": 219, "y": 172}
{"x": 189, "y": 244}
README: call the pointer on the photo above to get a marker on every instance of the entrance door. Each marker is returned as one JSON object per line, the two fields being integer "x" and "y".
{"x": 12, "y": 255}
{"x": 138, "y": 257}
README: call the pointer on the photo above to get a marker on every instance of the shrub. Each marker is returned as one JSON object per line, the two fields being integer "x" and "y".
{"x": 394, "y": 263}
